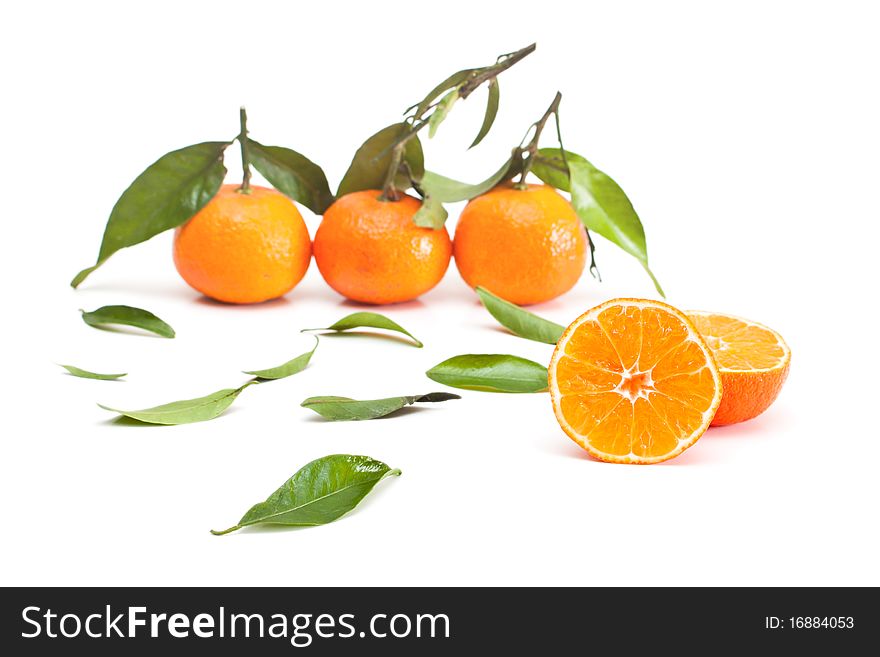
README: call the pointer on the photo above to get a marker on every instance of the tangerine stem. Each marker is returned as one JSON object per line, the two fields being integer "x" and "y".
{"x": 389, "y": 190}
{"x": 245, "y": 160}
{"x": 532, "y": 146}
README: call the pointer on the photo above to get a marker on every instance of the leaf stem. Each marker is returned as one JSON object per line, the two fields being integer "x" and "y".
{"x": 532, "y": 147}
{"x": 252, "y": 382}
{"x": 245, "y": 159}
{"x": 226, "y": 531}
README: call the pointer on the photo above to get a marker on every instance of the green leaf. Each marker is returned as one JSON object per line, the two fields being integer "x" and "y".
{"x": 520, "y": 322}
{"x": 292, "y": 174}
{"x": 185, "y": 411}
{"x": 441, "y": 112}
{"x": 291, "y": 367}
{"x": 127, "y": 316}
{"x": 451, "y": 82}
{"x": 600, "y": 203}
{"x": 490, "y": 373}
{"x": 344, "y": 408}
{"x": 371, "y": 161}
{"x": 168, "y": 193}
{"x": 320, "y": 492}
{"x": 85, "y": 374}
{"x": 550, "y": 168}
{"x": 368, "y": 320}
{"x": 491, "y": 111}
{"x": 431, "y": 214}
{"x": 447, "y": 190}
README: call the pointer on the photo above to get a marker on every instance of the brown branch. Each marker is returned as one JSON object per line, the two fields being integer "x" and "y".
{"x": 491, "y": 72}
{"x": 532, "y": 147}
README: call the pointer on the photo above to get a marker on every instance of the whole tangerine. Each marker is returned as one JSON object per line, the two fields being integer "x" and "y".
{"x": 369, "y": 250}
{"x": 526, "y": 245}
{"x": 244, "y": 247}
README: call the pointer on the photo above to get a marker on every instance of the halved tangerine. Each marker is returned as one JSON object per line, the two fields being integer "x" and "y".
{"x": 753, "y": 360}
{"x": 633, "y": 381}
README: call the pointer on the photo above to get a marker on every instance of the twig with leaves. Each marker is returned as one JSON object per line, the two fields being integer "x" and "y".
{"x": 392, "y": 158}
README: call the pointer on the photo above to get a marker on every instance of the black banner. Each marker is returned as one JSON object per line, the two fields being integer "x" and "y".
{"x": 106, "y": 621}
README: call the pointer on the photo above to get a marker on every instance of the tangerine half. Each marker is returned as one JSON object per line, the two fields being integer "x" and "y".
{"x": 633, "y": 381}
{"x": 753, "y": 360}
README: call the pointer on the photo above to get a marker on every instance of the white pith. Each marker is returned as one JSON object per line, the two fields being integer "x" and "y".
{"x": 629, "y": 374}
{"x": 645, "y": 392}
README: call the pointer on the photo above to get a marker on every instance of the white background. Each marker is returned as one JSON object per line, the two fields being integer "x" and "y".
{"x": 748, "y": 140}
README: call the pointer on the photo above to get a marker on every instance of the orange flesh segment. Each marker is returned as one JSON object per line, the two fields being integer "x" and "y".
{"x": 634, "y": 382}
{"x": 738, "y": 345}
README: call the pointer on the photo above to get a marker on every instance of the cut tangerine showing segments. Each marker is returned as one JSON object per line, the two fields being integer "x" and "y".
{"x": 753, "y": 361}
{"x": 633, "y": 381}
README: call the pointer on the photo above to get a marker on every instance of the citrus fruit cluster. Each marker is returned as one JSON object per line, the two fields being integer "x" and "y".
{"x": 245, "y": 248}
{"x": 382, "y": 238}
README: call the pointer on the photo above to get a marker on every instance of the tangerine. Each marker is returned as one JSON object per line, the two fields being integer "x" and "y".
{"x": 526, "y": 245}
{"x": 244, "y": 247}
{"x": 369, "y": 250}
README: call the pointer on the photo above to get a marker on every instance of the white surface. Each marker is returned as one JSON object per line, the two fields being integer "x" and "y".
{"x": 748, "y": 141}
